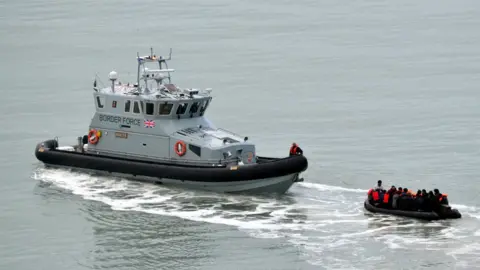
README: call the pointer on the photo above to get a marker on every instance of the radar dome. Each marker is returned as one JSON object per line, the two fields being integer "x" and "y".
{"x": 113, "y": 75}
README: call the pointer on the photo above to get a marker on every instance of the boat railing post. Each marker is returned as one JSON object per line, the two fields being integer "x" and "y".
{"x": 80, "y": 144}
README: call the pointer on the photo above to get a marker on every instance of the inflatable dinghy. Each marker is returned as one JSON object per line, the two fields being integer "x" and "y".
{"x": 446, "y": 212}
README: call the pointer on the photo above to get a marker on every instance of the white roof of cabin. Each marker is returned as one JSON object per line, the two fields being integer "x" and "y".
{"x": 166, "y": 91}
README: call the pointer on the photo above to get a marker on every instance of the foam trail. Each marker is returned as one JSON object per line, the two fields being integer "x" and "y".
{"x": 332, "y": 218}
{"x": 464, "y": 207}
{"x": 322, "y": 187}
{"x": 97, "y": 188}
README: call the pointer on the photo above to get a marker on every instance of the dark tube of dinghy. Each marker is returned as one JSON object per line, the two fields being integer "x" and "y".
{"x": 413, "y": 214}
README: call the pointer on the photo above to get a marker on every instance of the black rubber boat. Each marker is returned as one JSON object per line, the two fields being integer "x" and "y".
{"x": 446, "y": 212}
{"x": 267, "y": 175}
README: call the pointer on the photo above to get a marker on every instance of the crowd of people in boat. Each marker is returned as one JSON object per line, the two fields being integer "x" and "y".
{"x": 405, "y": 199}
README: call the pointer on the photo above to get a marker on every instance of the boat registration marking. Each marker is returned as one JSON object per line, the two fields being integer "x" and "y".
{"x": 122, "y": 135}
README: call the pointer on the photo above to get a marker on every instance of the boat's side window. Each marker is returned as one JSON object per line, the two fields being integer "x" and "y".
{"x": 150, "y": 108}
{"x": 182, "y": 108}
{"x": 204, "y": 105}
{"x": 165, "y": 108}
{"x": 194, "y": 107}
{"x": 100, "y": 101}
{"x": 127, "y": 105}
{"x": 136, "y": 107}
{"x": 141, "y": 105}
{"x": 195, "y": 149}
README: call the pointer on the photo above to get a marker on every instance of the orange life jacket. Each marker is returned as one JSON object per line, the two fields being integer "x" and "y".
{"x": 375, "y": 196}
{"x": 293, "y": 150}
{"x": 386, "y": 196}
{"x": 441, "y": 197}
{"x": 370, "y": 192}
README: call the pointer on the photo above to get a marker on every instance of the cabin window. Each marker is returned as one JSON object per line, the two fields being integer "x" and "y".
{"x": 194, "y": 107}
{"x": 127, "y": 105}
{"x": 204, "y": 105}
{"x": 195, "y": 149}
{"x": 165, "y": 108}
{"x": 141, "y": 105}
{"x": 136, "y": 108}
{"x": 149, "y": 108}
{"x": 114, "y": 104}
{"x": 182, "y": 108}
{"x": 100, "y": 101}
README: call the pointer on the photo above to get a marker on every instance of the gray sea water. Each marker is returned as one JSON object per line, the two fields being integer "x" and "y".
{"x": 369, "y": 89}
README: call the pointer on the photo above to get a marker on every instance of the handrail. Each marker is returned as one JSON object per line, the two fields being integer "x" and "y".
{"x": 209, "y": 162}
{"x": 229, "y": 132}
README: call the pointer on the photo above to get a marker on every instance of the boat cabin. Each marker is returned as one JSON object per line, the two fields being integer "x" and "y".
{"x": 155, "y": 119}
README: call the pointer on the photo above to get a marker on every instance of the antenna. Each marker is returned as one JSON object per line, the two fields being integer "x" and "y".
{"x": 166, "y": 65}
{"x": 138, "y": 69}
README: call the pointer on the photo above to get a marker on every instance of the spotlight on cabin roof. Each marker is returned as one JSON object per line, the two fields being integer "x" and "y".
{"x": 113, "y": 75}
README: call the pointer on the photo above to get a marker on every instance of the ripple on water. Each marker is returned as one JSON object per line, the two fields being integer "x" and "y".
{"x": 329, "y": 225}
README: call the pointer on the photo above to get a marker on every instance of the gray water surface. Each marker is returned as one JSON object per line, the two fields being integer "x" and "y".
{"x": 370, "y": 90}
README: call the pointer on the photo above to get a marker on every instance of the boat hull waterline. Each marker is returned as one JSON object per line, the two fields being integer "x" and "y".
{"x": 272, "y": 176}
{"x": 413, "y": 214}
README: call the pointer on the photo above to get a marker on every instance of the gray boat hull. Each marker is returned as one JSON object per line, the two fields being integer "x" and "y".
{"x": 269, "y": 175}
{"x": 274, "y": 185}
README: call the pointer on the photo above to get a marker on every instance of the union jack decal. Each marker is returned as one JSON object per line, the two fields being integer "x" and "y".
{"x": 149, "y": 123}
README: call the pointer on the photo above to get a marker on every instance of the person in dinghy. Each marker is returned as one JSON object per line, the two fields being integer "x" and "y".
{"x": 406, "y": 202}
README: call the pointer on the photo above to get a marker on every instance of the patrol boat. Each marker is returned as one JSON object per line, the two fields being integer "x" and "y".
{"x": 153, "y": 130}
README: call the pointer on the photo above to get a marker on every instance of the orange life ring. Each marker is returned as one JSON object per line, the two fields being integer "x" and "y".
{"x": 180, "y": 148}
{"x": 93, "y": 136}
